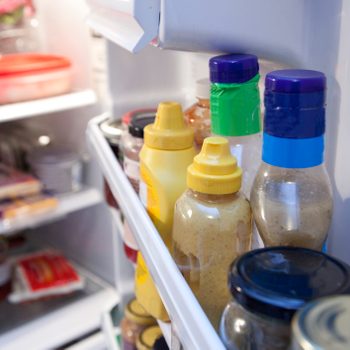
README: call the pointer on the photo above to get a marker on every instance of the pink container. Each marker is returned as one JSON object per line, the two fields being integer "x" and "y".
{"x": 32, "y": 76}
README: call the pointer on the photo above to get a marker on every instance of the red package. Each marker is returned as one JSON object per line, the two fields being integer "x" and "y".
{"x": 44, "y": 274}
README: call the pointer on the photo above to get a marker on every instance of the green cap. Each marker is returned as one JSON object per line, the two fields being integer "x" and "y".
{"x": 235, "y": 108}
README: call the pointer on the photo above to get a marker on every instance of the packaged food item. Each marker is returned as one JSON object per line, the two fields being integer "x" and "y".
{"x": 19, "y": 29}
{"x": 43, "y": 274}
{"x": 14, "y": 183}
{"x": 135, "y": 320}
{"x": 292, "y": 197}
{"x": 269, "y": 286}
{"x": 132, "y": 143}
{"x": 167, "y": 152}
{"x": 212, "y": 225}
{"x": 148, "y": 337}
{"x": 59, "y": 169}
{"x": 31, "y": 76}
{"x": 22, "y": 208}
{"x": 198, "y": 115}
{"x": 235, "y": 110}
{"x": 323, "y": 325}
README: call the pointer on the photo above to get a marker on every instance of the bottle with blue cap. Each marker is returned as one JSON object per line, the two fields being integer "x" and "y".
{"x": 235, "y": 110}
{"x": 291, "y": 196}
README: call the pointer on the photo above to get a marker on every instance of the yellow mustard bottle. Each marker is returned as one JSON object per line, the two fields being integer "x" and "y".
{"x": 167, "y": 152}
{"x": 212, "y": 225}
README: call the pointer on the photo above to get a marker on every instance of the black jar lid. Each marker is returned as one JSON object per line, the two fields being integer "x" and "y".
{"x": 139, "y": 122}
{"x": 278, "y": 281}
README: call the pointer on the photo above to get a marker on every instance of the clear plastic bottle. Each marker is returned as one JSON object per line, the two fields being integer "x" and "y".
{"x": 198, "y": 115}
{"x": 212, "y": 225}
{"x": 235, "y": 110}
{"x": 291, "y": 197}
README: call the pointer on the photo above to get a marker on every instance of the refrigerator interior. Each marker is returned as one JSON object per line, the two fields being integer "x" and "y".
{"x": 89, "y": 236}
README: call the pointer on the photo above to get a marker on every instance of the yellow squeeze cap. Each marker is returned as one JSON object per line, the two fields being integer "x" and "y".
{"x": 169, "y": 131}
{"x": 214, "y": 170}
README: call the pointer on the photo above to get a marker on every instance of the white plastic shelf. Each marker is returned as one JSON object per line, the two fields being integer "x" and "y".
{"x": 68, "y": 203}
{"x": 50, "y": 323}
{"x": 27, "y": 109}
{"x": 188, "y": 319}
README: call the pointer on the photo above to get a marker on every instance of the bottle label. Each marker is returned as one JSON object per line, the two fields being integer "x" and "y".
{"x": 292, "y": 153}
{"x": 132, "y": 168}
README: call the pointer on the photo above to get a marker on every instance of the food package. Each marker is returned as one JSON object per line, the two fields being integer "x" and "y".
{"x": 43, "y": 274}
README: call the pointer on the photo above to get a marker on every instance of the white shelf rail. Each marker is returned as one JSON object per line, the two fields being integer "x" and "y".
{"x": 27, "y": 109}
{"x": 188, "y": 319}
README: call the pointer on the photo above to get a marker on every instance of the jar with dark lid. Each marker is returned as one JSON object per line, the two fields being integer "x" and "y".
{"x": 323, "y": 324}
{"x": 136, "y": 319}
{"x": 112, "y": 131}
{"x": 148, "y": 337}
{"x": 132, "y": 143}
{"x": 268, "y": 287}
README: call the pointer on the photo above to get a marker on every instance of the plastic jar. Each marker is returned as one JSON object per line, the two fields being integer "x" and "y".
{"x": 135, "y": 320}
{"x": 132, "y": 143}
{"x": 323, "y": 325}
{"x": 58, "y": 169}
{"x": 268, "y": 287}
{"x": 112, "y": 131}
{"x": 130, "y": 245}
{"x": 31, "y": 76}
{"x": 292, "y": 197}
{"x": 212, "y": 225}
{"x": 148, "y": 337}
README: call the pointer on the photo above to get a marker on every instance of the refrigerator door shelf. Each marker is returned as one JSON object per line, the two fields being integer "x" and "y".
{"x": 132, "y": 24}
{"x": 188, "y": 319}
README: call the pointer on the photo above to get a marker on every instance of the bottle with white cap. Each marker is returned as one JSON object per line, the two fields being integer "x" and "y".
{"x": 198, "y": 115}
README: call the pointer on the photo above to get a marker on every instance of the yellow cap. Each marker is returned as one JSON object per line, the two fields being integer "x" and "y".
{"x": 148, "y": 337}
{"x": 169, "y": 131}
{"x": 137, "y": 314}
{"x": 214, "y": 170}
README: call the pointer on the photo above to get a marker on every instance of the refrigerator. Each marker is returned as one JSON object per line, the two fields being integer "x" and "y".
{"x": 151, "y": 51}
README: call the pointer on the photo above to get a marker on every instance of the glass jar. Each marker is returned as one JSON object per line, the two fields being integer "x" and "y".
{"x": 135, "y": 320}
{"x": 112, "y": 131}
{"x": 268, "y": 286}
{"x": 19, "y": 28}
{"x": 323, "y": 324}
{"x": 148, "y": 337}
{"x": 291, "y": 197}
{"x": 132, "y": 143}
{"x": 212, "y": 225}
{"x": 198, "y": 115}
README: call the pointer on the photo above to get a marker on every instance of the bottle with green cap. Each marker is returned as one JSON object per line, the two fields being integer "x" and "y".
{"x": 212, "y": 225}
{"x": 235, "y": 110}
{"x": 167, "y": 152}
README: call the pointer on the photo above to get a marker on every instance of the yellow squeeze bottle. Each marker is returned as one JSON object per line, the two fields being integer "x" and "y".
{"x": 167, "y": 152}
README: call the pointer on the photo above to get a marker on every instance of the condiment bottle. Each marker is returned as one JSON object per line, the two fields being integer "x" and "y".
{"x": 291, "y": 197}
{"x": 323, "y": 325}
{"x": 269, "y": 286}
{"x": 212, "y": 225}
{"x": 198, "y": 115}
{"x": 235, "y": 110}
{"x": 132, "y": 143}
{"x": 135, "y": 320}
{"x": 167, "y": 152}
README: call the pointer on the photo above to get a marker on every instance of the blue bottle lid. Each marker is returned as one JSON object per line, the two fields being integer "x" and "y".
{"x": 278, "y": 281}
{"x": 295, "y": 103}
{"x": 233, "y": 68}
{"x": 295, "y": 81}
